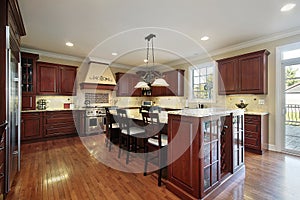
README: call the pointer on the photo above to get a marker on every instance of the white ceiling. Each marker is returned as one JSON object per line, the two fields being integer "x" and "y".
{"x": 99, "y": 27}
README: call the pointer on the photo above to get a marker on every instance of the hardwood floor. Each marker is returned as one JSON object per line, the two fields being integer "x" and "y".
{"x": 65, "y": 169}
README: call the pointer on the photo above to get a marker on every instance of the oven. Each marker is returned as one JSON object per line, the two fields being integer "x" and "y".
{"x": 94, "y": 120}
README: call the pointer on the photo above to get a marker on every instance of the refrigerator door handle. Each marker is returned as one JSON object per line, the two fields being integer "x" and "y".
{"x": 3, "y": 124}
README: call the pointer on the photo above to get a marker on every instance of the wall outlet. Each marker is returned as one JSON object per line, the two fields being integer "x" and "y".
{"x": 261, "y": 101}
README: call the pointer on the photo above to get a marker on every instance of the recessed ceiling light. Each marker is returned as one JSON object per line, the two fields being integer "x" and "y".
{"x": 114, "y": 54}
{"x": 145, "y": 60}
{"x": 204, "y": 38}
{"x": 287, "y": 7}
{"x": 69, "y": 44}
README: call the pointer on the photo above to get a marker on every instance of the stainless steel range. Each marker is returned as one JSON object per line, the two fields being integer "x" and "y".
{"x": 94, "y": 120}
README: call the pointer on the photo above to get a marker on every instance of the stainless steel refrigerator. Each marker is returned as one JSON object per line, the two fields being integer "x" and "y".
{"x": 13, "y": 111}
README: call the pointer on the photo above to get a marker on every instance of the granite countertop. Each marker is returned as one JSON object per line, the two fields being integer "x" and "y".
{"x": 205, "y": 112}
{"x": 51, "y": 109}
{"x": 256, "y": 113}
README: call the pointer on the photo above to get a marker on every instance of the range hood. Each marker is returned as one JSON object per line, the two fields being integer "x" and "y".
{"x": 98, "y": 76}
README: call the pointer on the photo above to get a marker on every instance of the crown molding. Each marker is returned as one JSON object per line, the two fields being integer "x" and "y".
{"x": 52, "y": 54}
{"x": 258, "y": 41}
{"x": 243, "y": 45}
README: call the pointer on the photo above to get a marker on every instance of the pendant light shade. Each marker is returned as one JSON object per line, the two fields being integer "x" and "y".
{"x": 142, "y": 85}
{"x": 160, "y": 82}
{"x": 151, "y": 77}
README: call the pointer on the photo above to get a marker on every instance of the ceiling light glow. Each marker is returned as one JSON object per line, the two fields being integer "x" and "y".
{"x": 204, "y": 38}
{"x": 287, "y": 7}
{"x": 114, "y": 54}
{"x": 69, "y": 44}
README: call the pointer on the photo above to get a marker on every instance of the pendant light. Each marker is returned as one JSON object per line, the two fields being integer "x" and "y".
{"x": 151, "y": 78}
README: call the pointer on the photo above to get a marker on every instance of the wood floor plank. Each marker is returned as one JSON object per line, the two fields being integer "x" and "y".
{"x": 65, "y": 169}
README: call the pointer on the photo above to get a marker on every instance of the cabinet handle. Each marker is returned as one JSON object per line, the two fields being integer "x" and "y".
{"x": 225, "y": 126}
{"x": 1, "y": 148}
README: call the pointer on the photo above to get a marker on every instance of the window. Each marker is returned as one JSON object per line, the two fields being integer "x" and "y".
{"x": 203, "y": 82}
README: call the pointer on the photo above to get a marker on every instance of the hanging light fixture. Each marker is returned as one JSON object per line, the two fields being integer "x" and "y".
{"x": 151, "y": 77}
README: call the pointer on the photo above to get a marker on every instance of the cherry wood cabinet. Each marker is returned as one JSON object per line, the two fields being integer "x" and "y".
{"x": 31, "y": 125}
{"x": 55, "y": 79}
{"x": 28, "y": 64}
{"x": 244, "y": 74}
{"x": 126, "y": 83}
{"x": 67, "y": 80}
{"x": 204, "y": 153}
{"x": 58, "y": 123}
{"x": 175, "y": 79}
{"x": 256, "y": 133}
{"x": 42, "y": 125}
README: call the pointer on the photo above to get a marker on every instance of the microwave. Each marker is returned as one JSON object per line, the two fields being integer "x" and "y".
{"x": 147, "y": 103}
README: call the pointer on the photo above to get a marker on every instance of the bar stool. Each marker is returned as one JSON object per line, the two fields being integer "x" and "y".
{"x": 128, "y": 132}
{"x": 156, "y": 141}
{"x": 112, "y": 129}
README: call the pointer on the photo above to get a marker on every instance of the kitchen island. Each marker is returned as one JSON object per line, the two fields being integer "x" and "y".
{"x": 205, "y": 151}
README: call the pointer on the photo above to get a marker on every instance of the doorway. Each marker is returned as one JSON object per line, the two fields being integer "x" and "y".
{"x": 288, "y": 95}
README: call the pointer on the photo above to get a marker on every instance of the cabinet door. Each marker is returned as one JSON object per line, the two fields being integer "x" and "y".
{"x": 228, "y": 76}
{"x": 122, "y": 83}
{"x": 28, "y": 102}
{"x": 238, "y": 141}
{"x": 134, "y": 92}
{"x": 28, "y": 63}
{"x": 175, "y": 79}
{"x": 31, "y": 126}
{"x": 126, "y": 83}
{"x": 47, "y": 78}
{"x": 251, "y": 72}
{"x": 67, "y": 80}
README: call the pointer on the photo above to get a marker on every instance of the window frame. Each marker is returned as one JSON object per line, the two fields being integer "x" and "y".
{"x": 212, "y": 64}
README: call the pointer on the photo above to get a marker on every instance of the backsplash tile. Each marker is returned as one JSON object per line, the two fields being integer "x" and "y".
{"x": 56, "y": 102}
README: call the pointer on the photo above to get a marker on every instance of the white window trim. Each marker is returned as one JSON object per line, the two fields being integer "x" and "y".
{"x": 190, "y": 94}
{"x": 280, "y": 101}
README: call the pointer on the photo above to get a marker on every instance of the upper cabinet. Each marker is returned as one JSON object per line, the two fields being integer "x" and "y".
{"x": 126, "y": 83}
{"x": 174, "y": 78}
{"x": 244, "y": 74}
{"x": 28, "y": 63}
{"x": 55, "y": 79}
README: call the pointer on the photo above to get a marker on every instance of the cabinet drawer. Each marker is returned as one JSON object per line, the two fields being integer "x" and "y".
{"x": 55, "y": 131}
{"x": 252, "y": 142}
{"x": 252, "y": 127}
{"x": 59, "y": 118}
{"x": 249, "y": 134}
{"x": 252, "y": 118}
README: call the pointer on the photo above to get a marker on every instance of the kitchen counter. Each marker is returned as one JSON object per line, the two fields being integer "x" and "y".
{"x": 205, "y": 112}
{"x": 256, "y": 113}
{"x": 55, "y": 109}
{"x": 204, "y": 156}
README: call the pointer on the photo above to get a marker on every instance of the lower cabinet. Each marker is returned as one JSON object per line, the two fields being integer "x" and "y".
{"x": 31, "y": 125}
{"x": 204, "y": 153}
{"x": 256, "y": 133}
{"x": 42, "y": 125}
{"x": 59, "y": 123}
